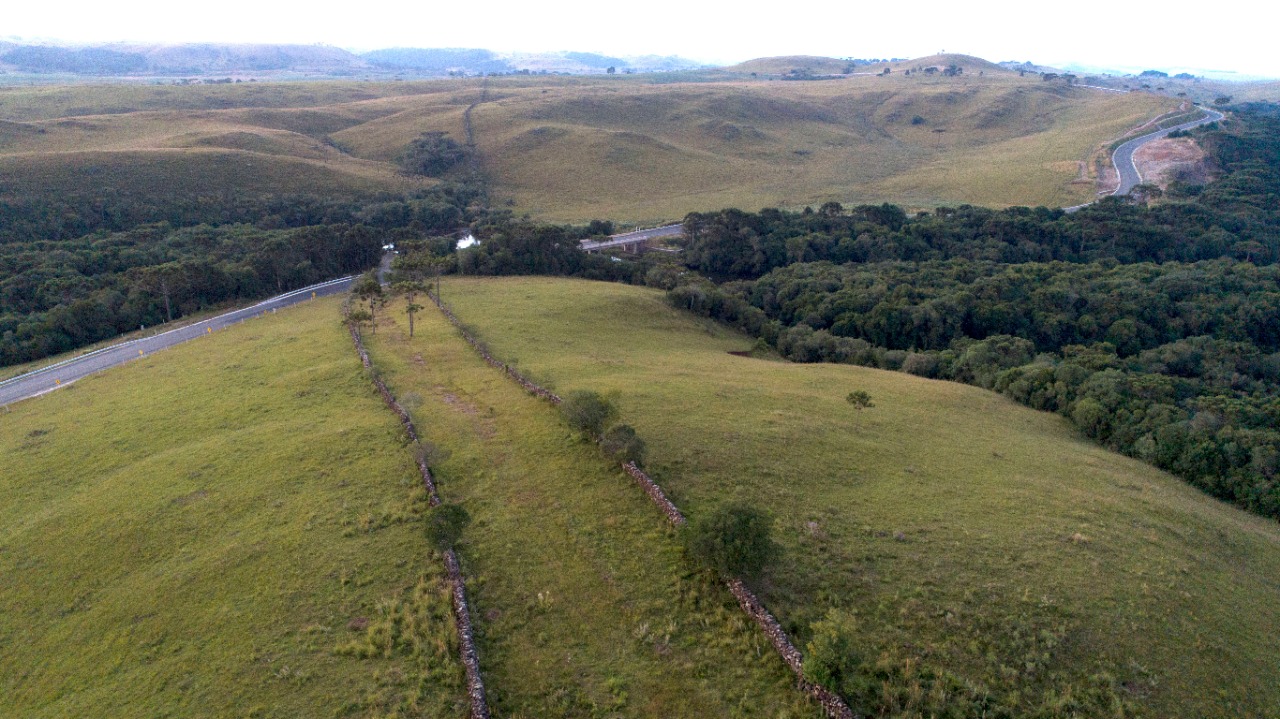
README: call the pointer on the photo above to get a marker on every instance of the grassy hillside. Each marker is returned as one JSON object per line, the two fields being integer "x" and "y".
{"x": 631, "y": 151}
{"x": 967, "y": 63}
{"x": 630, "y": 148}
{"x": 584, "y": 605}
{"x": 812, "y": 64}
{"x": 203, "y": 139}
{"x": 971, "y": 537}
{"x": 190, "y": 150}
{"x": 225, "y": 528}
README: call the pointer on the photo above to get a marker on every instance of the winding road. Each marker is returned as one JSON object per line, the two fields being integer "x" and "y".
{"x": 1122, "y": 158}
{"x": 47, "y": 379}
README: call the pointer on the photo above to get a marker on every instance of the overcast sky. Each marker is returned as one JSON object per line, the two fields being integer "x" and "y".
{"x": 1114, "y": 34}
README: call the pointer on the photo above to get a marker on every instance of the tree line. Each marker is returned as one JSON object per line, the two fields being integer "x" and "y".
{"x": 57, "y": 296}
{"x": 1237, "y": 217}
{"x": 1154, "y": 329}
{"x": 143, "y": 262}
{"x": 1177, "y": 364}
{"x": 32, "y": 217}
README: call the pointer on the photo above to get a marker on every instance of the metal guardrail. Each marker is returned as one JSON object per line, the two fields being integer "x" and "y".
{"x": 149, "y": 338}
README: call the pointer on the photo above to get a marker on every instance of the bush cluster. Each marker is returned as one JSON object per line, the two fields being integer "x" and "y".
{"x": 593, "y": 415}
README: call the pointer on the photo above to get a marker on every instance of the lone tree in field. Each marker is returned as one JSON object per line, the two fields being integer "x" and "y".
{"x": 368, "y": 289}
{"x": 431, "y": 154}
{"x": 409, "y": 290}
{"x": 445, "y": 524}
{"x": 359, "y": 317}
{"x": 734, "y": 540}
{"x": 588, "y": 412}
{"x": 859, "y": 399}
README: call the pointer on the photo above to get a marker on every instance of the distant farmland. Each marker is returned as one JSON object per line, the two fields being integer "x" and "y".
{"x": 638, "y": 148}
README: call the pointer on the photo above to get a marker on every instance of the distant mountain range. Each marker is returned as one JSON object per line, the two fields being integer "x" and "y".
{"x": 139, "y": 60}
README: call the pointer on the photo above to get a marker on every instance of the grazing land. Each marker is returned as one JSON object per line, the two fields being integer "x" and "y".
{"x": 584, "y": 605}
{"x": 970, "y": 537}
{"x": 639, "y": 148}
{"x": 226, "y": 528}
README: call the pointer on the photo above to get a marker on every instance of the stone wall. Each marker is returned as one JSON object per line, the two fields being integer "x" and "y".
{"x": 832, "y": 703}
{"x": 655, "y": 493}
{"x": 483, "y": 351}
{"x": 466, "y": 637}
{"x": 458, "y": 590}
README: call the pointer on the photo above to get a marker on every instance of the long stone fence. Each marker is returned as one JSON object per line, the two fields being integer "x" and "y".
{"x": 457, "y": 586}
{"x": 834, "y": 706}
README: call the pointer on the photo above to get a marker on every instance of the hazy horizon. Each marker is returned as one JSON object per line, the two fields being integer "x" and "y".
{"x": 1095, "y": 34}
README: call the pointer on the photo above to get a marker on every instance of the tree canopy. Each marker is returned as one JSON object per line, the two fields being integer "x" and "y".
{"x": 431, "y": 154}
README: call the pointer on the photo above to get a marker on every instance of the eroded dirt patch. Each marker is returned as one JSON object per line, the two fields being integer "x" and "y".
{"x": 1165, "y": 160}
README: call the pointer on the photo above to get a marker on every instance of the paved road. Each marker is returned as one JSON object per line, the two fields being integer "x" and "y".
{"x": 1122, "y": 158}
{"x": 627, "y": 238}
{"x": 61, "y": 374}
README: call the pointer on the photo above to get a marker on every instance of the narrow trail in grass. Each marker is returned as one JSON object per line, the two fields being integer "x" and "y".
{"x": 475, "y": 166}
{"x": 583, "y": 603}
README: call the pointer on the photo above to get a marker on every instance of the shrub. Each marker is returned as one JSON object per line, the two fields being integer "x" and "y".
{"x": 859, "y": 398}
{"x": 733, "y": 540}
{"x": 622, "y": 444}
{"x": 830, "y": 659}
{"x": 588, "y": 412}
{"x": 445, "y": 524}
{"x": 921, "y": 364}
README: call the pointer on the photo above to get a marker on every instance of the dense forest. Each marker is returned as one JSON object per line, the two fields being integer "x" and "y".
{"x": 77, "y": 270}
{"x": 1154, "y": 327}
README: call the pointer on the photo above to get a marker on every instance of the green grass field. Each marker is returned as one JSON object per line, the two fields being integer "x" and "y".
{"x": 969, "y": 535}
{"x": 637, "y": 149}
{"x": 584, "y": 604}
{"x": 225, "y": 528}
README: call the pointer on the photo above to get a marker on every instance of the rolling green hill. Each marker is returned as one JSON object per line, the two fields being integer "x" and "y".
{"x": 967, "y": 63}
{"x": 226, "y": 528}
{"x": 639, "y": 148}
{"x": 243, "y": 536}
{"x": 584, "y": 604}
{"x": 984, "y": 549}
{"x": 634, "y": 151}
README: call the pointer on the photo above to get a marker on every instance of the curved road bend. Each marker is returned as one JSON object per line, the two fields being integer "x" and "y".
{"x": 1122, "y": 158}
{"x": 63, "y": 373}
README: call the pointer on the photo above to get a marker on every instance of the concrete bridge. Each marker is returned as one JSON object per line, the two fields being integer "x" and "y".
{"x": 633, "y": 241}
